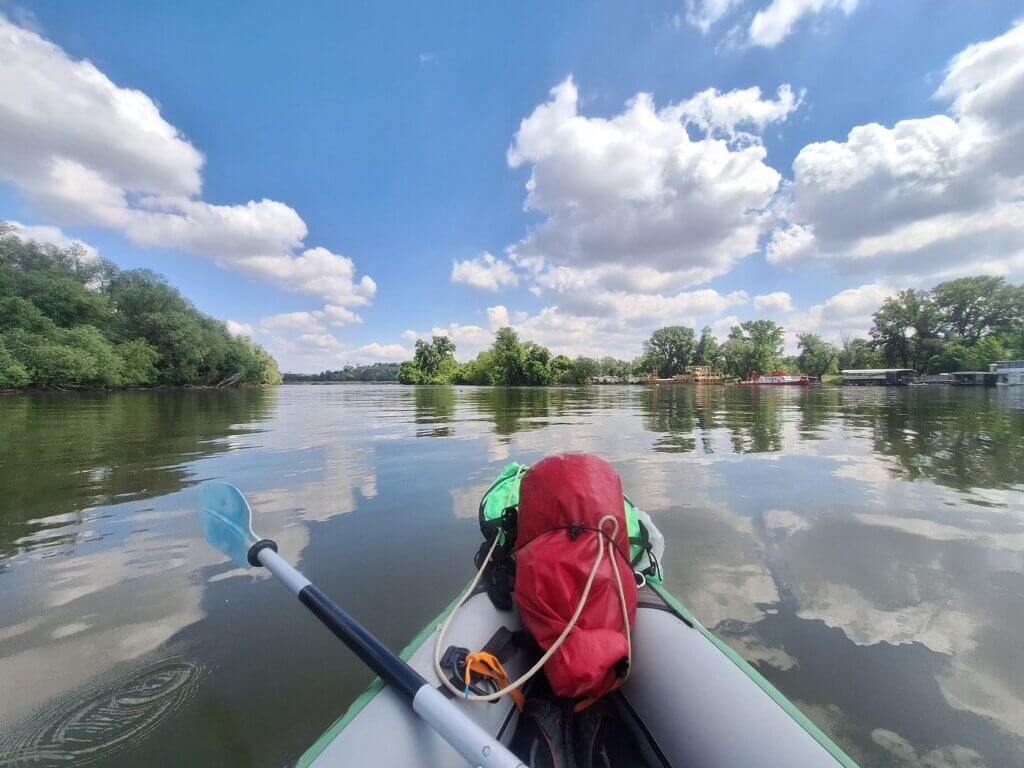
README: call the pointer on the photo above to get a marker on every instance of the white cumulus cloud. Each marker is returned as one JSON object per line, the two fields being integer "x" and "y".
{"x": 636, "y": 191}
{"x": 719, "y": 113}
{"x": 777, "y": 301}
{"x": 929, "y": 197}
{"x": 704, "y": 13}
{"x": 82, "y": 150}
{"x": 484, "y": 272}
{"x": 848, "y": 312}
{"x": 771, "y": 25}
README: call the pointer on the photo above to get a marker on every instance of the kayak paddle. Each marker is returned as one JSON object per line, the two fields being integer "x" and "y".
{"x": 227, "y": 525}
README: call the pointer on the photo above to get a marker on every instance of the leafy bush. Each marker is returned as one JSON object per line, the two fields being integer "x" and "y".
{"x": 70, "y": 320}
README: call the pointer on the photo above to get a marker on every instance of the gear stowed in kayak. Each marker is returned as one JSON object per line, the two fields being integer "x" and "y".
{"x": 689, "y": 700}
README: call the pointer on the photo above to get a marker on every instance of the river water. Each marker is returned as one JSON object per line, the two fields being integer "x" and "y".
{"x": 864, "y": 548}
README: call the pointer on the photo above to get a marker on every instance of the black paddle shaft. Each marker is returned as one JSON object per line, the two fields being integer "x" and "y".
{"x": 391, "y": 669}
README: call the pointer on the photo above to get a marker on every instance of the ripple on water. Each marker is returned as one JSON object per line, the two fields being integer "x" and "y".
{"x": 110, "y": 713}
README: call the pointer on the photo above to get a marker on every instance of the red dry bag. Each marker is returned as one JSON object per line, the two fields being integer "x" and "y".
{"x": 562, "y": 500}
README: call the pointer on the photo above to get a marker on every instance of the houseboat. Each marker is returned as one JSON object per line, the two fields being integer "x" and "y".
{"x": 1003, "y": 373}
{"x": 775, "y": 379}
{"x": 879, "y": 377}
{"x": 1008, "y": 373}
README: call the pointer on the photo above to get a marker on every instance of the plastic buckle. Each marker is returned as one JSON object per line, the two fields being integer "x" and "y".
{"x": 454, "y": 663}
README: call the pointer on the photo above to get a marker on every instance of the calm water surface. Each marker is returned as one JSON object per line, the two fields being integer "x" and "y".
{"x": 863, "y": 548}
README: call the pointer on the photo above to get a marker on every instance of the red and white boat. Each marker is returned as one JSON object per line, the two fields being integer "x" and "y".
{"x": 775, "y": 379}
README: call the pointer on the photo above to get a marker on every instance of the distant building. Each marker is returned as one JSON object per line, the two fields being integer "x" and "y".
{"x": 999, "y": 374}
{"x": 699, "y": 374}
{"x": 1008, "y": 372}
{"x": 974, "y": 378}
{"x": 878, "y": 376}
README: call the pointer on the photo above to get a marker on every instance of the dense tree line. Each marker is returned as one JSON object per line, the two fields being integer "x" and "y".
{"x": 69, "y": 320}
{"x": 374, "y": 372}
{"x": 963, "y": 324}
{"x": 509, "y": 362}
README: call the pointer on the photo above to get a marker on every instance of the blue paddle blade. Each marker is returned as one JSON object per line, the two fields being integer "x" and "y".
{"x": 226, "y": 520}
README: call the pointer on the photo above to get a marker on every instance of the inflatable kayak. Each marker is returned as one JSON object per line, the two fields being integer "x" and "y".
{"x": 673, "y": 694}
{"x": 689, "y": 700}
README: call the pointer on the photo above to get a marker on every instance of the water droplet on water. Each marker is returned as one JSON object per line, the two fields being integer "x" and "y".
{"x": 110, "y": 713}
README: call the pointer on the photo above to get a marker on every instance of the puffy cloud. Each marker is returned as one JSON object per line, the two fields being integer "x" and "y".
{"x": 238, "y": 329}
{"x": 376, "y": 352}
{"x": 771, "y": 25}
{"x": 719, "y": 113}
{"x": 704, "y": 13}
{"x": 301, "y": 345}
{"x": 484, "y": 272}
{"x": 313, "y": 322}
{"x": 777, "y": 301}
{"x": 930, "y": 197}
{"x": 306, "y": 322}
{"x": 497, "y": 317}
{"x": 635, "y": 191}
{"x": 83, "y": 150}
{"x": 848, "y": 311}
{"x": 43, "y": 233}
{"x": 336, "y": 315}
{"x": 722, "y": 326}
{"x": 790, "y": 244}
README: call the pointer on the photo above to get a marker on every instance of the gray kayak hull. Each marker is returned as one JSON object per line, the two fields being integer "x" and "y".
{"x": 698, "y": 702}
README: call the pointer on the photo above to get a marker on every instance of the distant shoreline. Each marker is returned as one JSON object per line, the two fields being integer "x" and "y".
{"x": 114, "y": 390}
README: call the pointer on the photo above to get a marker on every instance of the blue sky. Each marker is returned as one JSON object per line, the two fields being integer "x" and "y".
{"x": 389, "y": 144}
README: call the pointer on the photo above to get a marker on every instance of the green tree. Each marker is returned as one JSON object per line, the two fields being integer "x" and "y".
{"x": 435, "y": 360}
{"x": 139, "y": 361}
{"x": 410, "y": 373}
{"x": 477, "y": 371}
{"x": 560, "y": 365}
{"x": 669, "y": 350}
{"x": 69, "y": 320}
{"x": 738, "y": 354}
{"x": 537, "y": 365}
{"x": 817, "y": 357}
{"x": 13, "y": 375}
{"x": 508, "y": 358}
{"x": 857, "y": 353}
{"x": 973, "y": 307}
{"x": 902, "y": 327}
{"x": 708, "y": 351}
{"x": 583, "y": 371}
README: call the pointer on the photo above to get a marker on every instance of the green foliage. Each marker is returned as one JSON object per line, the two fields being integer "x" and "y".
{"x": 669, "y": 350}
{"x": 817, "y": 357}
{"x": 508, "y": 358}
{"x": 583, "y": 371}
{"x": 962, "y": 324}
{"x": 410, "y": 373}
{"x": 973, "y": 307}
{"x": 13, "y": 374}
{"x": 902, "y": 327}
{"x": 857, "y": 353}
{"x": 478, "y": 371}
{"x": 958, "y": 325}
{"x": 373, "y": 372}
{"x": 68, "y": 320}
{"x": 433, "y": 363}
{"x": 708, "y": 351}
{"x": 755, "y": 345}
{"x": 139, "y": 363}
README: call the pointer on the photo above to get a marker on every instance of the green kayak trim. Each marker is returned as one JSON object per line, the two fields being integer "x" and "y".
{"x": 357, "y": 706}
{"x": 777, "y": 696}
